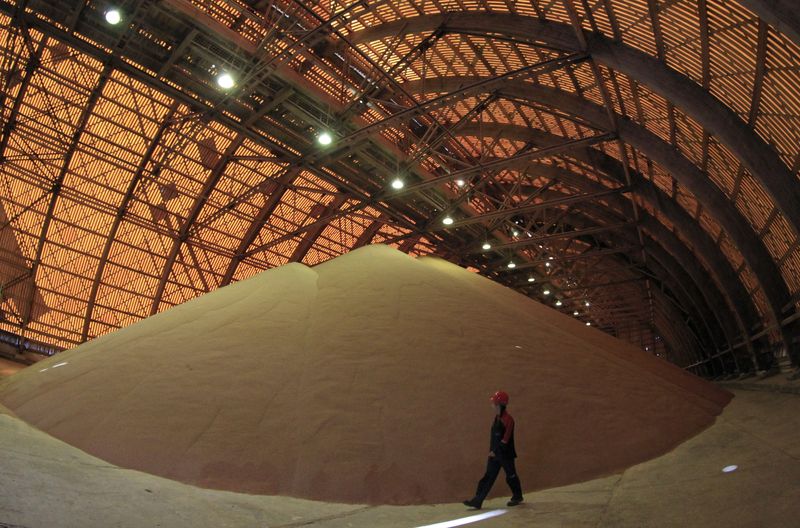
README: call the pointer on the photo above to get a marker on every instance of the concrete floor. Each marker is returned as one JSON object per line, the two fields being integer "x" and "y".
{"x": 46, "y": 483}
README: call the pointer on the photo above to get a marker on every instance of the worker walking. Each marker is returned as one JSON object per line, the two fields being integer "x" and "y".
{"x": 501, "y": 454}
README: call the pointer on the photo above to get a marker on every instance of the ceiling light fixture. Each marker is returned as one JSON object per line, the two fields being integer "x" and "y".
{"x": 397, "y": 184}
{"x": 325, "y": 139}
{"x": 113, "y": 17}
{"x": 225, "y": 81}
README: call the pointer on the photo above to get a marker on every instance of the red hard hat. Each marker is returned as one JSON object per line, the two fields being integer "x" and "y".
{"x": 500, "y": 397}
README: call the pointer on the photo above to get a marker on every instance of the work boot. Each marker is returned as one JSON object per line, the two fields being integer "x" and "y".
{"x": 514, "y": 501}
{"x": 473, "y": 503}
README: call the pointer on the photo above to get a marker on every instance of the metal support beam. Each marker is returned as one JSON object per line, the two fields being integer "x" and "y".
{"x": 409, "y": 243}
{"x": 188, "y": 224}
{"x": 684, "y": 171}
{"x": 270, "y": 204}
{"x": 86, "y": 112}
{"x": 722, "y": 122}
{"x": 499, "y": 164}
{"x": 555, "y": 236}
{"x": 511, "y": 211}
{"x": 480, "y": 86}
{"x": 141, "y": 169}
{"x": 644, "y": 189}
{"x": 369, "y": 233}
{"x": 719, "y": 267}
{"x": 588, "y": 254}
{"x": 312, "y": 234}
{"x": 598, "y": 285}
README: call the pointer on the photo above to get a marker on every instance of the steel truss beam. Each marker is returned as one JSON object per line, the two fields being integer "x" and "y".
{"x": 611, "y": 313}
{"x": 535, "y": 239}
{"x": 58, "y": 182}
{"x": 596, "y": 285}
{"x": 761, "y": 159}
{"x": 588, "y": 254}
{"x": 125, "y": 66}
{"x": 484, "y": 85}
{"x": 512, "y": 211}
{"x": 369, "y": 233}
{"x": 271, "y": 203}
{"x": 686, "y": 225}
{"x": 499, "y": 164}
{"x": 686, "y": 173}
{"x": 672, "y": 273}
{"x": 186, "y": 229}
{"x": 312, "y": 234}
{"x": 736, "y": 296}
{"x": 698, "y": 316}
{"x": 141, "y": 170}
{"x": 643, "y": 189}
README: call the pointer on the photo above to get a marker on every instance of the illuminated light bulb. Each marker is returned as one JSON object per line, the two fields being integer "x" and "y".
{"x": 575, "y": 312}
{"x": 588, "y": 323}
{"x": 728, "y": 469}
{"x": 547, "y": 264}
{"x": 515, "y": 232}
{"x": 113, "y": 17}
{"x": 531, "y": 279}
{"x": 550, "y": 258}
{"x": 398, "y": 184}
{"x": 225, "y": 80}
{"x": 558, "y": 303}
{"x": 447, "y": 221}
{"x": 460, "y": 182}
{"x": 325, "y": 139}
{"x": 546, "y": 292}
{"x": 486, "y": 246}
{"x": 512, "y": 265}
{"x": 587, "y": 303}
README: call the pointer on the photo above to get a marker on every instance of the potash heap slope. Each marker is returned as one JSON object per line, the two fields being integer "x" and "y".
{"x": 364, "y": 379}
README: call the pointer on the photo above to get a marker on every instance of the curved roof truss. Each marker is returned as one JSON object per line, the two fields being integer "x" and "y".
{"x": 152, "y": 185}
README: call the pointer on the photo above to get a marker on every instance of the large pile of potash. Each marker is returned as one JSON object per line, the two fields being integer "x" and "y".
{"x": 364, "y": 379}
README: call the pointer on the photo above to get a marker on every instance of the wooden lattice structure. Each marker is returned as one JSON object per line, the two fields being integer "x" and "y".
{"x": 636, "y": 160}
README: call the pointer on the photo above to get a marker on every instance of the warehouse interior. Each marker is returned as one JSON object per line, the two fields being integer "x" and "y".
{"x": 262, "y": 262}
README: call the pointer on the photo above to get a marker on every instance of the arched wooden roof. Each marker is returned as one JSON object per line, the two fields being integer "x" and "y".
{"x": 638, "y": 155}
